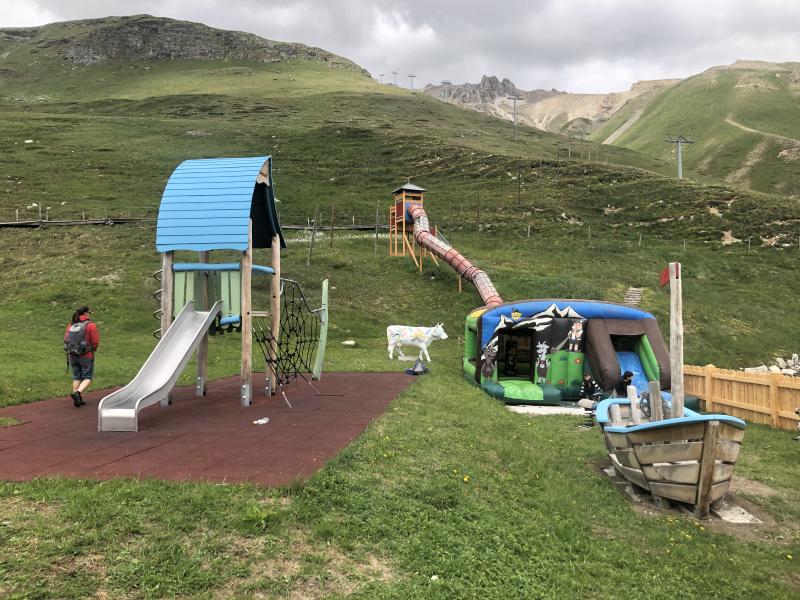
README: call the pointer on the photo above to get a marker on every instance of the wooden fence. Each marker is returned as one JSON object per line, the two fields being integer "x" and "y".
{"x": 768, "y": 398}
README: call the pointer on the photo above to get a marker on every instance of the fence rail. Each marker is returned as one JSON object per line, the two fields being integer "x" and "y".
{"x": 768, "y": 398}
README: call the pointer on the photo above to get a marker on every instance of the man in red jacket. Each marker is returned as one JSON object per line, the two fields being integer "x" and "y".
{"x": 80, "y": 342}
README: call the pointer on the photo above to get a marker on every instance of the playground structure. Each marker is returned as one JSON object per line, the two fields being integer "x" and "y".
{"x": 537, "y": 351}
{"x": 533, "y": 351}
{"x": 408, "y": 223}
{"x": 210, "y": 205}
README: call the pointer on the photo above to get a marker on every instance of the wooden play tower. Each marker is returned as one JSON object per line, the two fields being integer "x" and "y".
{"x": 401, "y": 225}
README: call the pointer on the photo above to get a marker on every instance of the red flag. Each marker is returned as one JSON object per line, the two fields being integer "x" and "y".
{"x": 664, "y": 278}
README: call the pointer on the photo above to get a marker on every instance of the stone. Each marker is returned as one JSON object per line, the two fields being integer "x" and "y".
{"x": 774, "y": 369}
{"x": 790, "y": 372}
{"x": 795, "y": 358}
{"x": 734, "y": 514}
{"x": 780, "y": 362}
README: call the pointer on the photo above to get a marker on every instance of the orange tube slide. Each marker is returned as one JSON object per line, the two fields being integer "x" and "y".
{"x": 446, "y": 252}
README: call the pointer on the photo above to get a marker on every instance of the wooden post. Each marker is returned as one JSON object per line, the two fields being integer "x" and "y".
{"x": 313, "y": 235}
{"x": 709, "y": 388}
{"x": 17, "y": 213}
{"x": 615, "y": 414}
{"x": 333, "y": 216}
{"x": 167, "y": 292}
{"x": 275, "y": 311}
{"x": 633, "y": 396}
{"x": 529, "y": 230}
{"x": 707, "y": 464}
{"x": 656, "y": 406}
{"x": 377, "y": 223}
{"x": 676, "y": 338}
{"x": 773, "y": 398}
{"x": 202, "y": 349}
{"x": 246, "y": 321}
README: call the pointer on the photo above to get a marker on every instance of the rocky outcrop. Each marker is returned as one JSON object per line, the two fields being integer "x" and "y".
{"x": 143, "y": 37}
{"x": 786, "y": 366}
{"x": 489, "y": 91}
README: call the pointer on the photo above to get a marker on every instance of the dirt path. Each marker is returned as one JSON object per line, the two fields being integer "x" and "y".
{"x": 782, "y": 138}
{"x": 624, "y": 127}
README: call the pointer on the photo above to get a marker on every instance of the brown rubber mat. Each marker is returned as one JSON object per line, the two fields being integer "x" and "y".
{"x": 209, "y": 439}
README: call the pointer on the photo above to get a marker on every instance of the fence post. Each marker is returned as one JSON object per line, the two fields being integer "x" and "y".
{"x": 773, "y": 398}
{"x": 709, "y": 388}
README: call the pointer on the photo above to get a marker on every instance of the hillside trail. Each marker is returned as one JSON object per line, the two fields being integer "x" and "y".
{"x": 729, "y": 120}
{"x": 624, "y": 127}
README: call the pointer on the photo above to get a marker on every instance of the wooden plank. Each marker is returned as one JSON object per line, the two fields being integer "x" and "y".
{"x": 707, "y": 465}
{"x": 674, "y": 491}
{"x": 615, "y": 414}
{"x": 752, "y": 407}
{"x": 617, "y": 440}
{"x": 727, "y": 451}
{"x": 627, "y": 458}
{"x": 632, "y": 475}
{"x": 656, "y": 406}
{"x": 202, "y": 349}
{"x": 633, "y": 396}
{"x": 246, "y": 319}
{"x": 709, "y": 388}
{"x": 167, "y": 291}
{"x": 275, "y": 313}
{"x": 693, "y": 431}
{"x": 655, "y": 453}
{"x": 773, "y": 398}
{"x": 718, "y": 490}
{"x": 672, "y": 473}
{"x": 729, "y": 432}
{"x": 722, "y": 472}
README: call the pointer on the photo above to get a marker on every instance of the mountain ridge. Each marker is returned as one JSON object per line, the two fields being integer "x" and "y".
{"x": 145, "y": 37}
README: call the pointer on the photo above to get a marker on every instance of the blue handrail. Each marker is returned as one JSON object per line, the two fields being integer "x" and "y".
{"x": 177, "y": 267}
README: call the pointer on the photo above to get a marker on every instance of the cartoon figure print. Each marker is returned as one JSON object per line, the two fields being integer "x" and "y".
{"x": 489, "y": 357}
{"x": 542, "y": 362}
{"x": 575, "y": 336}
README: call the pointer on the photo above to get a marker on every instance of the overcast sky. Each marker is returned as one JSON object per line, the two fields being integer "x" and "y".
{"x": 572, "y": 45}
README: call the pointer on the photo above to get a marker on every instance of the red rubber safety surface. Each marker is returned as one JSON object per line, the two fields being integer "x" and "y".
{"x": 209, "y": 439}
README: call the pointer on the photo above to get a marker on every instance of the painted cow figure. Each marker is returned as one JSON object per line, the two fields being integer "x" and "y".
{"x": 398, "y": 336}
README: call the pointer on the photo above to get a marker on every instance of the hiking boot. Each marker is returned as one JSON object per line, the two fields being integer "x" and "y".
{"x": 76, "y": 399}
{"x": 80, "y": 399}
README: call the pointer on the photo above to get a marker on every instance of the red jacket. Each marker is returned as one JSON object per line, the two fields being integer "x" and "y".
{"x": 91, "y": 335}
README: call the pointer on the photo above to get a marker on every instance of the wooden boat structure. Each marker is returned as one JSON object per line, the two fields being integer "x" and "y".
{"x": 688, "y": 459}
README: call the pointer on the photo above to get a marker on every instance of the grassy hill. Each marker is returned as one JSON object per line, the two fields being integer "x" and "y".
{"x": 743, "y": 117}
{"x": 533, "y": 519}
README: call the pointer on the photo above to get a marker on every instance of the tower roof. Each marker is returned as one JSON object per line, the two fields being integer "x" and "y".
{"x": 409, "y": 187}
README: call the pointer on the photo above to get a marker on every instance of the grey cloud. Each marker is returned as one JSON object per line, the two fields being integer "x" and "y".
{"x": 578, "y": 45}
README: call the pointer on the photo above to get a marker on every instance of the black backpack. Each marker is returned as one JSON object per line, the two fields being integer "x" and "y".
{"x": 75, "y": 342}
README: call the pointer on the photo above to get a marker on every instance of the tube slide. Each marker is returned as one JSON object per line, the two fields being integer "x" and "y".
{"x": 119, "y": 411}
{"x": 452, "y": 257}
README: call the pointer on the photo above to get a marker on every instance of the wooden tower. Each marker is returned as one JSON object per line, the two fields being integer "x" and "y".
{"x": 401, "y": 225}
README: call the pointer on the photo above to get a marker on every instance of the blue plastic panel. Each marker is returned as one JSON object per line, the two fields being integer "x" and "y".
{"x": 207, "y": 204}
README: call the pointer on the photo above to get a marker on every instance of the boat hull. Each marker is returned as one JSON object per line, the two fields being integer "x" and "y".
{"x": 689, "y": 459}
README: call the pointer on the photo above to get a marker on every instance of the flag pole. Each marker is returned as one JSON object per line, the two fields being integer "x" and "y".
{"x": 676, "y": 338}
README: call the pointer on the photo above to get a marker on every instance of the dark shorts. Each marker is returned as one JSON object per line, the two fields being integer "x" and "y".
{"x": 82, "y": 368}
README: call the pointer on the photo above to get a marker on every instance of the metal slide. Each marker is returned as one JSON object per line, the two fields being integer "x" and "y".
{"x": 451, "y": 256}
{"x": 119, "y": 411}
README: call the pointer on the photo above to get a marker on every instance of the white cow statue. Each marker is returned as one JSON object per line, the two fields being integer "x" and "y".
{"x": 398, "y": 336}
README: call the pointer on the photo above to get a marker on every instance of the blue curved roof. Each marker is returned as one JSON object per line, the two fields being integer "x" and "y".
{"x": 208, "y": 203}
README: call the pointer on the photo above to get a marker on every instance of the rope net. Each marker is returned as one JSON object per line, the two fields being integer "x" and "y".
{"x": 298, "y": 338}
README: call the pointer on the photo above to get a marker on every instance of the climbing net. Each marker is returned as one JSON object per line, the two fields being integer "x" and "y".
{"x": 298, "y": 338}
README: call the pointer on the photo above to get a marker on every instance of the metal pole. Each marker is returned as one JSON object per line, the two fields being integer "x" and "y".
{"x": 411, "y": 77}
{"x": 381, "y": 76}
{"x": 377, "y": 222}
{"x": 680, "y": 160}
